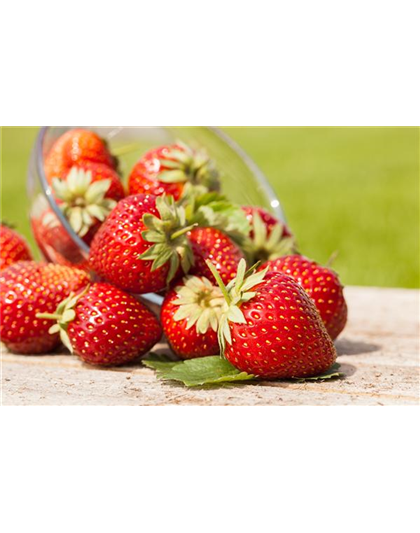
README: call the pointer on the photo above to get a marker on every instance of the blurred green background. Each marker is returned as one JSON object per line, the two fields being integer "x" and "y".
{"x": 351, "y": 190}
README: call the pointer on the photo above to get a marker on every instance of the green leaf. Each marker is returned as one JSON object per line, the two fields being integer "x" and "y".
{"x": 76, "y": 219}
{"x": 173, "y": 165}
{"x": 65, "y": 339}
{"x": 96, "y": 192}
{"x": 159, "y": 362}
{"x": 211, "y": 370}
{"x": 173, "y": 266}
{"x": 331, "y": 373}
{"x": 212, "y": 209}
{"x": 173, "y": 176}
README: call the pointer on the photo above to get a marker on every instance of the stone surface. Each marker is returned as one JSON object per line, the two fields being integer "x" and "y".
{"x": 378, "y": 352}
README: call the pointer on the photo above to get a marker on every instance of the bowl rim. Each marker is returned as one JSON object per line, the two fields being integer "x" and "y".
{"x": 46, "y": 188}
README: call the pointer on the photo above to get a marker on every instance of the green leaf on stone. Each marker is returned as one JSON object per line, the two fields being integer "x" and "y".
{"x": 211, "y": 370}
{"x": 331, "y": 373}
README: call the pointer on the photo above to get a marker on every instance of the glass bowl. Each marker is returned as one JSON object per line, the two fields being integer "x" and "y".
{"x": 242, "y": 181}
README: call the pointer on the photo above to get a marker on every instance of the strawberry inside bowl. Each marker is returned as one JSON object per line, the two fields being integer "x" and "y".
{"x": 78, "y": 175}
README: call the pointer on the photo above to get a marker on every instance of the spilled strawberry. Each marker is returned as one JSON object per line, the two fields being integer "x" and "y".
{"x": 28, "y": 288}
{"x": 322, "y": 285}
{"x": 73, "y": 147}
{"x": 190, "y": 314}
{"x": 104, "y": 326}
{"x": 271, "y": 328}
{"x": 269, "y": 238}
{"x": 13, "y": 247}
{"x": 212, "y": 244}
{"x": 167, "y": 169}
{"x": 142, "y": 245}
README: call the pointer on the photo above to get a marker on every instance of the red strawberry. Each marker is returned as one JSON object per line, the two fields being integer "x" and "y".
{"x": 87, "y": 195}
{"x": 269, "y": 238}
{"x": 189, "y": 316}
{"x": 141, "y": 245}
{"x": 322, "y": 285}
{"x": 166, "y": 170}
{"x": 52, "y": 238}
{"x": 105, "y": 326}
{"x": 73, "y": 147}
{"x": 213, "y": 244}
{"x": 271, "y": 327}
{"x": 13, "y": 247}
{"x": 28, "y": 288}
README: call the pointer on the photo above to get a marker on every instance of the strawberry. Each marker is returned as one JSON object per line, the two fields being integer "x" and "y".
{"x": 213, "y": 244}
{"x": 269, "y": 238}
{"x": 105, "y": 326}
{"x": 321, "y": 284}
{"x": 166, "y": 170}
{"x": 13, "y": 247}
{"x": 52, "y": 238}
{"x": 271, "y": 327}
{"x": 190, "y": 313}
{"x": 142, "y": 244}
{"x": 71, "y": 148}
{"x": 87, "y": 195}
{"x": 28, "y": 288}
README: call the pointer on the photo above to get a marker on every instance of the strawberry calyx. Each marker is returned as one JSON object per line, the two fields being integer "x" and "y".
{"x": 237, "y": 292}
{"x": 264, "y": 247}
{"x": 210, "y": 209}
{"x": 168, "y": 235}
{"x": 7, "y": 224}
{"x": 64, "y": 315}
{"x": 200, "y": 302}
{"x": 184, "y": 164}
{"x": 82, "y": 201}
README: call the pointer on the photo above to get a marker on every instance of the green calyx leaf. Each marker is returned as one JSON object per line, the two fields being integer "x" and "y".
{"x": 168, "y": 237}
{"x": 184, "y": 164}
{"x": 212, "y": 209}
{"x": 83, "y": 202}
{"x": 331, "y": 373}
{"x": 266, "y": 247}
{"x": 64, "y": 314}
{"x": 235, "y": 293}
{"x": 212, "y": 370}
{"x": 200, "y": 303}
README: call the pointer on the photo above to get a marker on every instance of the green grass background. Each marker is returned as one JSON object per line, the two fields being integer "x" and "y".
{"x": 355, "y": 190}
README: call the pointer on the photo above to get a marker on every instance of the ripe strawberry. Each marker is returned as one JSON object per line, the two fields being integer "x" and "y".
{"x": 141, "y": 245}
{"x": 190, "y": 313}
{"x": 269, "y": 238}
{"x": 322, "y": 285}
{"x": 13, "y": 247}
{"x": 271, "y": 327}
{"x": 105, "y": 326}
{"x": 71, "y": 148}
{"x": 87, "y": 195}
{"x": 213, "y": 244}
{"x": 167, "y": 169}
{"x": 52, "y": 238}
{"x": 28, "y": 288}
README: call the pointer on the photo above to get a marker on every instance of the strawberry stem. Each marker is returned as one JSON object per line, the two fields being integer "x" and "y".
{"x": 332, "y": 258}
{"x": 219, "y": 281}
{"x": 182, "y": 231}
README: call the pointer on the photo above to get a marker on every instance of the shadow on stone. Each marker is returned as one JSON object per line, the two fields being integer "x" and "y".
{"x": 349, "y": 347}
